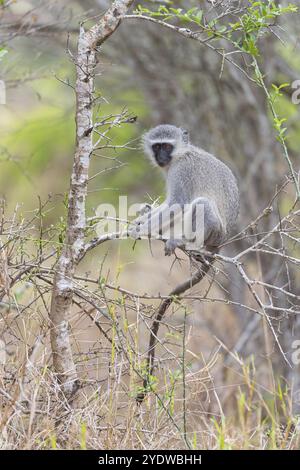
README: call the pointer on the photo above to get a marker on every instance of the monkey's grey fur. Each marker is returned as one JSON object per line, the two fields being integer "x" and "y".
{"x": 193, "y": 176}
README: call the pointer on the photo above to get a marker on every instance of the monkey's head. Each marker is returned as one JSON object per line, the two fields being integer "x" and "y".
{"x": 165, "y": 142}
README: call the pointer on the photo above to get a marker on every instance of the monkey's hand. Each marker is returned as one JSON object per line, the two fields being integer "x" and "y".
{"x": 171, "y": 245}
{"x": 134, "y": 231}
{"x": 145, "y": 208}
{"x": 139, "y": 228}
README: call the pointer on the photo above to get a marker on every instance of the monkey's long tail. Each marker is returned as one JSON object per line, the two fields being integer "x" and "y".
{"x": 206, "y": 263}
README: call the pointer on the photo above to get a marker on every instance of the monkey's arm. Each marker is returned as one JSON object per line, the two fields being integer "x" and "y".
{"x": 147, "y": 225}
{"x": 202, "y": 227}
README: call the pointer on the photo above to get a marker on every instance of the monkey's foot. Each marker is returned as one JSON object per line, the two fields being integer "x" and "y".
{"x": 171, "y": 245}
{"x": 135, "y": 232}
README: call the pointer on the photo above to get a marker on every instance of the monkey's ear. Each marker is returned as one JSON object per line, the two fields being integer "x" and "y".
{"x": 185, "y": 136}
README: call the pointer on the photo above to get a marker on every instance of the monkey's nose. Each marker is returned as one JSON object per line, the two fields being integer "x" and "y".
{"x": 163, "y": 158}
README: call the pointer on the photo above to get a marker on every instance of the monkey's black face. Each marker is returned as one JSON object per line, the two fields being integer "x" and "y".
{"x": 163, "y": 153}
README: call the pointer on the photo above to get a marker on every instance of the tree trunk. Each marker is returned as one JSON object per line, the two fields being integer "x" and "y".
{"x": 74, "y": 244}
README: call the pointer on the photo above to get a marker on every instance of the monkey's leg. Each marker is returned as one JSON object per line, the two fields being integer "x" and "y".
{"x": 200, "y": 225}
{"x": 206, "y": 223}
{"x": 174, "y": 229}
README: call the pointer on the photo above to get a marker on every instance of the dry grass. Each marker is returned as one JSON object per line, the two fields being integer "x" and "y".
{"x": 200, "y": 398}
{"x": 204, "y": 394}
{"x": 187, "y": 409}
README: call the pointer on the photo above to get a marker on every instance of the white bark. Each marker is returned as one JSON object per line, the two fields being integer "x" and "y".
{"x": 73, "y": 247}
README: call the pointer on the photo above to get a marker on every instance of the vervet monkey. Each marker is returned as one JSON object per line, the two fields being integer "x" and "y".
{"x": 195, "y": 180}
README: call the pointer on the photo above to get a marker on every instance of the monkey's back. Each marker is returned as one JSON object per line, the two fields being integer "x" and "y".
{"x": 197, "y": 173}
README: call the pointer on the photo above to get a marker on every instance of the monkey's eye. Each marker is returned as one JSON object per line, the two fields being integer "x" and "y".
{"x": 156, "y": 148}
{"x": 167, "y": 147}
